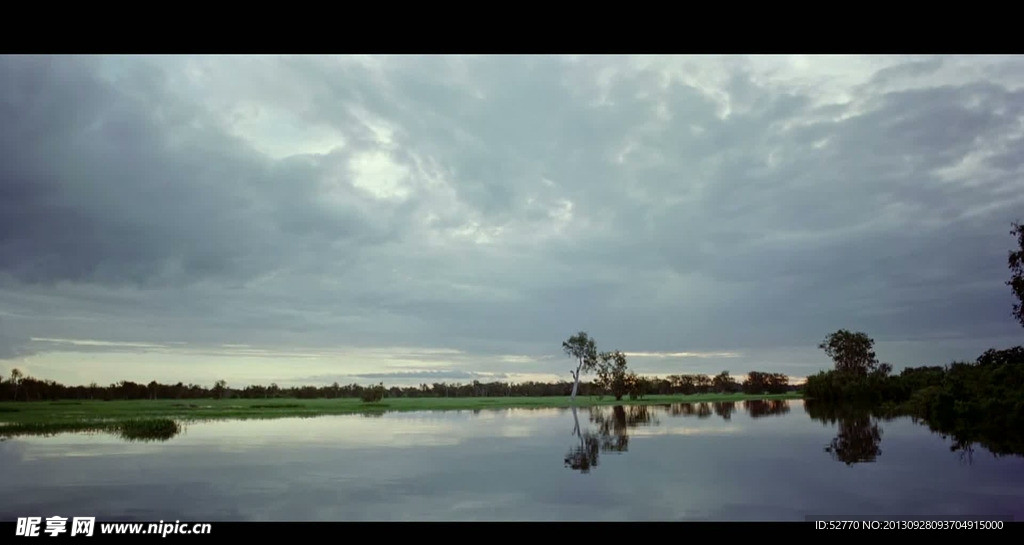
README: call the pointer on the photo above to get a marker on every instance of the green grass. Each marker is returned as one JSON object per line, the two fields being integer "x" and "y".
{"x": 18, "y": 418}
{"x": 132, "y": 429}
{"x": 149, "y": 429}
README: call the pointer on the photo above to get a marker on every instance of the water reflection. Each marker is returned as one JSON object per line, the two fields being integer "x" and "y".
{"x": 610, "y": 433}
{"x": 707, "y": 462}
{"x": 584, "y": 456}
{"x": 137, "y": 430}
{"x": 859, "y": 436}
{"x": 725, "y": 409}
{"x": 610, "y": 426}
{"x": 766, "y": 407}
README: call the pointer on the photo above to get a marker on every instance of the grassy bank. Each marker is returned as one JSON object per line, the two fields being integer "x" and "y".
{"x": 42, "y": 417}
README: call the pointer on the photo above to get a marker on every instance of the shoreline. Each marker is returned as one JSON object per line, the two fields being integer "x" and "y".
{"x": 51, "y": 417}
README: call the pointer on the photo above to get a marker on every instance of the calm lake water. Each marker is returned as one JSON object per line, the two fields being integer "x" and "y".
{"x": 742, "y": 461}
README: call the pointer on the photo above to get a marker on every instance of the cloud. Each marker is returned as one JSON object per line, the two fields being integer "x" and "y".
{"x": 682, "y": 354}
{"x": 424, "y": 374}
{"x": 305, "y": 206}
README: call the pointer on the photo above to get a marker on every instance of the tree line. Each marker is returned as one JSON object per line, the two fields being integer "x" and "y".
{"x": 614, "y": 378}
{"x": 18, "y": 387}
{"x": 980, "y": 401}
{"x": 974, "y": 401}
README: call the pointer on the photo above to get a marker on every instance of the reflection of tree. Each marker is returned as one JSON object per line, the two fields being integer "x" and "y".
{"x": 703, "y": 410}
{"x": 964, "y": 447}
{"x": 725, "y": 409}
{"x": 610, "y": 435}
{"x": 700, "y": 410}
{"x": 581, "y": 458}
{"x": 993, "y": 429}
{"x": 766, "y": 407}
{"x": 612, "y": 428}
{"x": 859, "y": 437}
{"x": 857, "y": 441}
{"x": 682, "y": 409}
{"x": 756, "y": 408}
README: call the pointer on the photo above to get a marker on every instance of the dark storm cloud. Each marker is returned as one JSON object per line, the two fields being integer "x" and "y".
{"x": 130, "y": 183}
{"x": 497, "y": 204}
{"x": 13, "y": 345}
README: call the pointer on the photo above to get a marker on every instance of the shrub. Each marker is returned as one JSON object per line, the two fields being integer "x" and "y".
{"x": 373, "y": 394}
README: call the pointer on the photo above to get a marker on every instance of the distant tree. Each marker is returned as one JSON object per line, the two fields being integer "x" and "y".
{"x": 702, "y": 383}
{"x": 1016, "y": 281}
{"x": 638, "y": 386}
{"x": 219, "y": 388}
{"x": 724, "y": 383}
{"x": 758, "y": 382}
{"x": 16, "y": 376}
{"x": 373, "y": 393}
{"x": 612, "y": 374}
{"x": 851, "y": 352}
{"x": 755, "y": 383}
{"x": 583, "y": 348}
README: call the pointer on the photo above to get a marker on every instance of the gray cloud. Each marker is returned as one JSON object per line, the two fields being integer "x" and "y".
{"x": 406, "y": 376}
{"x": 495, "y": 205}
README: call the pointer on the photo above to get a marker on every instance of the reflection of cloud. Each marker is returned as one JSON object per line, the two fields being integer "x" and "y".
{"x": 716, "y": 430}
{"x": 517, "y": 431}
{"x": 683, "y": 354}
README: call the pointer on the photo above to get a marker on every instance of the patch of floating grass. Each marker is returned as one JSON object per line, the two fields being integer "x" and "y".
{"x": 49, "y": 428}
{"x": 150, "y": 429}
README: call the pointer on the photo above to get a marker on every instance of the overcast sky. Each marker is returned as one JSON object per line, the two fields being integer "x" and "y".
{"x": 306, "y": 219}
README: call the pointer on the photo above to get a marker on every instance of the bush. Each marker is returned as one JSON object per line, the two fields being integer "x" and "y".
{"x": 372, "y": 394}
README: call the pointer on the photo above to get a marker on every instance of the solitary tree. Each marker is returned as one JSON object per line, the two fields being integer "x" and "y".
{"x": 583, "y": 348}
{"x": 851, "y": 352}
{"x": 1016, "y": 281}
